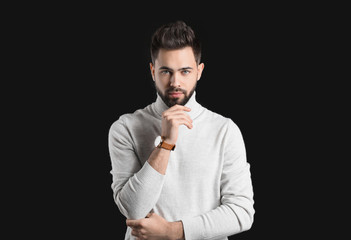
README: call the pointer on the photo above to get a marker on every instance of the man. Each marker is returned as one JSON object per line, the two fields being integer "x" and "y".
{"x": 193, "y": 181}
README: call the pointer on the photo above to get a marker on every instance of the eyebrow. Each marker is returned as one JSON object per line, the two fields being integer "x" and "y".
{"x": 180, "y": 69}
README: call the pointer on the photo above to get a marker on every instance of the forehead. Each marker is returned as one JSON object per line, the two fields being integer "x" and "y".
{"x": 175, "y": 58}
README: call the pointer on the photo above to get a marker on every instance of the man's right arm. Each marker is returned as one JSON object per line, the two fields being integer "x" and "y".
{"x": 137, "y": 188}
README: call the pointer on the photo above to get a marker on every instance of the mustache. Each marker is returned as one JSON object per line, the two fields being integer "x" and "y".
{"x": 175, "y": 89}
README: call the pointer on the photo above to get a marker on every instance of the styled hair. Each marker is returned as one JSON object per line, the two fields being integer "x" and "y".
{"x": 173, "y": 36}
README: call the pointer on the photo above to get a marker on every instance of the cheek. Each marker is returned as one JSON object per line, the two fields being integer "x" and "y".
{"x": 190, "y": 81}
{"x": 161, "y": 81}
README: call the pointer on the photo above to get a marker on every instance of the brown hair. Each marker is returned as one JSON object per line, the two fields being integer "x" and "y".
{"x": 174, "y": 36}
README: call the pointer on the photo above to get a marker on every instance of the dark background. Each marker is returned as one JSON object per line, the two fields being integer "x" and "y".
{"x": 86, "y": 65}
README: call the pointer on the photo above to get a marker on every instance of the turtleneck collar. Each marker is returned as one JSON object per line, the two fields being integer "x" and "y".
{"x": 159, "y": 106}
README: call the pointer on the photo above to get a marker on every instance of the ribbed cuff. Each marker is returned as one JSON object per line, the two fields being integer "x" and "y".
{"x": 190, "y": 227}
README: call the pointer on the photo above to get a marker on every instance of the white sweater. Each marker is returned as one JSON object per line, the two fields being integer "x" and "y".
{"x": 207, "y": 184}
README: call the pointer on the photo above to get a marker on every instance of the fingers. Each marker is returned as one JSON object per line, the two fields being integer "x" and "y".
{"x": 179, "y": 107}
{"x": 177, "y": 115}
{"x": 185, "y": 121}
{"x": 132, "y": 223}
{"x": 135, "y": 233}
{"x": 135, "y": 225}
{"x": 176, "y": 108}
{"x": 179, "y": 119}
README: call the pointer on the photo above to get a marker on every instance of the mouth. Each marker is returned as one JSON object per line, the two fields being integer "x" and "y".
{"x": 175, "y": 94}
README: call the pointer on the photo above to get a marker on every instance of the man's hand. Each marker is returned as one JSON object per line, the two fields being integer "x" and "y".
{"x": 156, "y": 228}
{"x": 172, "y": 118}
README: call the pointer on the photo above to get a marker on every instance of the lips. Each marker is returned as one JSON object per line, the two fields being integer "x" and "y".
{"x": 175, "y": 94}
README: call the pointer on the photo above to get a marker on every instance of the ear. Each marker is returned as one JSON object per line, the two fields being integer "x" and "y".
{"x": 152, "y": 69}
{"x": 200, "y": 68}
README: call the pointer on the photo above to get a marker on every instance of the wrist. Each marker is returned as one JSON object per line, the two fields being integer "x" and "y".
{"x": 166, "y": 144}
{"x": 176, "y": 231}
{"x": 168, "y": 139}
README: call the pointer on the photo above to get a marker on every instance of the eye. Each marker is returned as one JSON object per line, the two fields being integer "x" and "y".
{"x": 164, "y": 72}
{"x": 185, "y": 72}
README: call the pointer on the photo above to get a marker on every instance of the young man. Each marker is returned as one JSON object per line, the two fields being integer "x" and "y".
{"x": 193, "y": 181}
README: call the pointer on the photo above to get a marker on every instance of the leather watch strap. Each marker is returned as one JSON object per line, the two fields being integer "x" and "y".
{"x": 165, "y": 145}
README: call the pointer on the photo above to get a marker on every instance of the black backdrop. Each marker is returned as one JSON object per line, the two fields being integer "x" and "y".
{"x": 90, "y": 65}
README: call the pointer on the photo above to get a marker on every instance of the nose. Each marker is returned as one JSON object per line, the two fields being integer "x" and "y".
{"x": 175, "y": 80}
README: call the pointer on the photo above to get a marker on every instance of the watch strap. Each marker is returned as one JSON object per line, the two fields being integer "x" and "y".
{"x": 165, "y": 145}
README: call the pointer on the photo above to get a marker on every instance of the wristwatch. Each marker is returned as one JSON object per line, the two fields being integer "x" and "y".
{"x": 160, "y": 143}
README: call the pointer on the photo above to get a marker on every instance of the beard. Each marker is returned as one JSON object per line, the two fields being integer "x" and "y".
{"x": 170, "y": 102}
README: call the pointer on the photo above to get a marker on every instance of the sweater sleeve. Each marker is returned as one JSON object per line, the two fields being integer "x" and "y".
{"x": 235, "y": 214}
{"x": 136, "y": 188}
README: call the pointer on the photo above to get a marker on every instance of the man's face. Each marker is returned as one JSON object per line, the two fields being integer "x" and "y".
{"x": 175, "y": 74}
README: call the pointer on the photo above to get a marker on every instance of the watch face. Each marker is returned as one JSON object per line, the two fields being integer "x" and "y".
{"x": 157, "y": 140}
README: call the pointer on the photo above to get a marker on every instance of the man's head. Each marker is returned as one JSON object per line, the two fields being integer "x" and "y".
{"x": 175, "y": 67}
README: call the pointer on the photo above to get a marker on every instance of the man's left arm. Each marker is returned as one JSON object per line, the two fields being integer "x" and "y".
{"x": 235, "y": 214}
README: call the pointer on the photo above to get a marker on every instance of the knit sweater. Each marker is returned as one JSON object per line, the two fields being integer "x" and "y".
{"x": 207, "y": 184}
